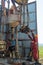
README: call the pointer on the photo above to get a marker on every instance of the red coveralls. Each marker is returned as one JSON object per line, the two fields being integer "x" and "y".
{"x": 34, "y": 46}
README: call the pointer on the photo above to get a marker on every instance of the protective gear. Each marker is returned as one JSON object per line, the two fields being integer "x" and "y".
{"x": 34, "y": 48}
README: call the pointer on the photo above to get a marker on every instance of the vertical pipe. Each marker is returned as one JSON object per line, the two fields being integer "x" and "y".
{"x": 20, "y": 14}
{"x": 3, "y": 8}
{"x": 8, "y": 4}
{"x": 27, "y": 15}
{"x": 0, "y": 18}
{"x": 23, "y": 14}
{"x": 3, "y": 4}
{"x": 0, "y": 21}
{"x": 23, "y": 10}
{"x": 23, "y": 49}
{"x": 13, "y": 1}
{"x": 7, "y": 25}
{"x": 17, "y": 53}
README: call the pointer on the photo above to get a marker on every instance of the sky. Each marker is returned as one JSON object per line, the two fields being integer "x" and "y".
{"x": 39, "y": 19}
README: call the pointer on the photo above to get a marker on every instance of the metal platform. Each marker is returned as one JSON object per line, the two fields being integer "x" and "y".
{"x": 15, "y": 61}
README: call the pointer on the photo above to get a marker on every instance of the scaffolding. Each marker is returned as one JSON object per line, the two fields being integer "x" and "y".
{"x": 16, "y": 21}
{"x": 8, "y": 22}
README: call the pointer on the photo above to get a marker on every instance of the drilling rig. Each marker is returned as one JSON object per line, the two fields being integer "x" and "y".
{"x": 21, "y": 25}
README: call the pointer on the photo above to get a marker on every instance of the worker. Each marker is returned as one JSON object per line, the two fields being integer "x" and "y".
{"x": 34, "y": 42}
{"x": 12, "y": 47}
{"x": 34, "y": 47}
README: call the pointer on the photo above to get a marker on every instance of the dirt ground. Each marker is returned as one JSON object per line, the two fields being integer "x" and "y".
{"x": 4, "y": 62}
{"x": 41, "y": 61}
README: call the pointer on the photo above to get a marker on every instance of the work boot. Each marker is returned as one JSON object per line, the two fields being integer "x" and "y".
{"x": 37, "y": 63}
